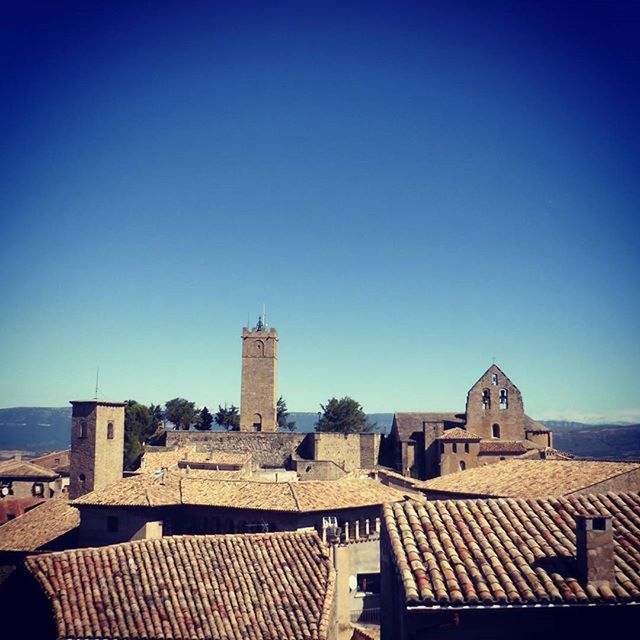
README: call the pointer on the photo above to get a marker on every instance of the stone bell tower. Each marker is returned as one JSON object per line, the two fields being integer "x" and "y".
{"x": 259, "y": 370}
{"x": 97, "y": 445}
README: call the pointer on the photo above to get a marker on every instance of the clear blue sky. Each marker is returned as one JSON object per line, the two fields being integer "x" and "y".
{"x": 411, "y": 188}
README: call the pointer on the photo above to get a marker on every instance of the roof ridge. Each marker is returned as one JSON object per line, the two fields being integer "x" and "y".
{"x": 295, "y": 496}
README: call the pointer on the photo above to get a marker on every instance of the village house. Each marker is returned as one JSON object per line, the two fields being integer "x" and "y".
{"x": 552, "y": 567}
{"x": 232, "y": 587}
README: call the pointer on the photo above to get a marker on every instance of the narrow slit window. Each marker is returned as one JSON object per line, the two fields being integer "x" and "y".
{"x": 494, "y": 379}
{"x": 504, "y": 399}
{"x": 110, "y": 430}
{"x": 454, "y": 448}
{"x": 83, "y": 429}
{"x": 495, "y": 430}
{"x": 463, "y": 465}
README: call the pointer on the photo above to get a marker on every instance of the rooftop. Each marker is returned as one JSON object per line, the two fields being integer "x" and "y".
{"x": 528, "y": 478}
{"x": 508, "y": 551}
{"x": 173, "y": 488}
{"x": 277, "y": 585}
{"x": 410, "y": 423}
{"x": 28, "y": 470}
{"x": 503, "y": 446}
{"x": 39, "y": 526}
{"x": 458, "y": 434}
{"x": 154, "y": 460}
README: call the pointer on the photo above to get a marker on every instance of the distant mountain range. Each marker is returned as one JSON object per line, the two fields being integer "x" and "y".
{"x": 42, "y": 429}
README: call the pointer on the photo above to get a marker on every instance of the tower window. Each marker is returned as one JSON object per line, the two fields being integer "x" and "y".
{"x": 454, "y": 448}
{"x": 504, "y": 398}
{"x": 82, "y": 479}
{"x": 466, "y": 447}
{"x": 494, "y": 379}
{"x": 463, "y": 465}
{"x": 110, "y": 430}
{"x": 495, "y": 430}
{"x": 486, "y": 399}
{"x": 83, "y": 429}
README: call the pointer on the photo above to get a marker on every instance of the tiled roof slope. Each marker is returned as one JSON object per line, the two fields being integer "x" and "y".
{"x": 528, "y": 478}
{"x": 172, "y": 488}
{"x": 154, "y": 460}
{"x": 236, "y": 587}
{"x": 22, "y": 469}
{"x": 533, "y": 425}
{"x": 458, "y": 434}
{"x": 503, "y": 446}
{"x": 409, "y": 423}
{"x": 39, "y": 526}
{"x": 508, "y": 551}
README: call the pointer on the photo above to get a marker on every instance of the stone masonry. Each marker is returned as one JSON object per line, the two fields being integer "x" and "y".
{"x": 97, "y": 445}
{"x": 259, "y": 371}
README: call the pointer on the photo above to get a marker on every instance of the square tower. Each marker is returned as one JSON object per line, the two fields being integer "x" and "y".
{"x": 259, "y": 370}
{"x": 97, "y": 445}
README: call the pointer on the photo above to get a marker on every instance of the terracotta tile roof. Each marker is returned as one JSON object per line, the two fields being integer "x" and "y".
{"x": 533, "y": 425}
{"x": 49, "y": 459}
{"x": 11, "y": 508}
{"x": 37, "y": 527}
{"x": 175, "y": 487}
{"x": 28, "y": 470}
{"x": 510, "y": 447}
{"x": 154, "y": 460}
{"x": 508, "y": 551}
{"x": 410, "y": 423}
{"x": 528, "y": 478}
{"x": 236, "y": 587}
{"x": 458, "y": 434}
{"x": 365, "y": 633}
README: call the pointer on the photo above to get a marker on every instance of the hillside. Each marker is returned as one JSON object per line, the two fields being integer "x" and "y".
{"x": 41, "y": 429}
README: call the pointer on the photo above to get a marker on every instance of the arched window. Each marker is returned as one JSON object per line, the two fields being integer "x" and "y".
{"x": 504, "y": 398}
{"x": 257, "y": 422}
{"x": 259, "y": 347}
{"x": 495, "y": 430}
{"x": 83, "y": 429}
{"x": 110, "y": 430}
{"x": 494, "y": 379}
{"x": 486, "y": 399}
{"x": 463, "y": 465}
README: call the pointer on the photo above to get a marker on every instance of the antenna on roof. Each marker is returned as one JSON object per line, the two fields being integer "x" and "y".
{"x": 97, "y": 379}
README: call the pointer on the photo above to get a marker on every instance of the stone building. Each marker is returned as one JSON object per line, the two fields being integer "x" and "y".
{"x": 551, "y": 567}
{"x": 259, "y": 376}
{"x": 97, "y": 445}
{"x": 494, "y": 427}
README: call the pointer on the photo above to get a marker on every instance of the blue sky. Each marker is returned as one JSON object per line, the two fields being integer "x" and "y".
{"x": 412, "y": 189}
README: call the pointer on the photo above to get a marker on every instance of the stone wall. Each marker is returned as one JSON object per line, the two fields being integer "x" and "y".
{"x": 483, "y": 415}
{"x": 465, "y": 453}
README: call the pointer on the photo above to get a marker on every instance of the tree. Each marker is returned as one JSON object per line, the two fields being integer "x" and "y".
{"x": 343, "y": 416}
{"x": 181, "y": 412}
{"x": 228, "y": 418}
{"x": 141, "y": 423}
{"x": 206, "y": 420}
{"x": 283, "y": 415}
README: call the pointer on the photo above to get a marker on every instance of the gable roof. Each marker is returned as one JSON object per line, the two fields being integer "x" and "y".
{"x": 458, "y": 434}
{"x": 528, "y": 478}
{"x": 407, "y": 424}
{"x": 39, "y": 526}
{"x": 154, "y": 460}
{"x": 508, "y": 551}
{"x": 507, "y": 447}
{"x": 275, "y": 585}
{"x": 174, "y": 488}
{"x": 27, "y": 470}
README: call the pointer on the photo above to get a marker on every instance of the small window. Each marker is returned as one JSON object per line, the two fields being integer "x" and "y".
{"x": 495, "y": 430}
{"x": 454, "y": 448}
{"x": 82, "y": 479}
{"x": 113, "y": 524}
{"x": 368, "y": 583}
{"x": 110, "y": 430}
{"x": 494, "y": 379}
{"x": 463, "y": 465}
{"x": 38, "y": 489}
{"x": 83, "y": 429}
{"x": 466, "y": 447}
{"x": 504, "y": 398}
{"x": 599, "y": 524}
{"x": 56, "y": 461}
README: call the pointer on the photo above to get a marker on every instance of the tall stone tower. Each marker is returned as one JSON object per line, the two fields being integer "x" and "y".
{"x": 495, "y": 408}
{"x": 97, "y": 445}
{"x": 259, "y": 370}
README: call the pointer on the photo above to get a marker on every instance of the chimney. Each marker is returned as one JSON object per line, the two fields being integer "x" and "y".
{"x": 594, "y": 549}
{"x": 17, "y": 456}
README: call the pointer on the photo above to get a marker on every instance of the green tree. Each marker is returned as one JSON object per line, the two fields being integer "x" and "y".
{"x": 206, "y": 420}
{"x": 343, "y": 416}
{"x": 283, "y": 416}
{"x": 181, "y": 412}
{"x": 141, "y": 423}
{"x": 228, "y": 418}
